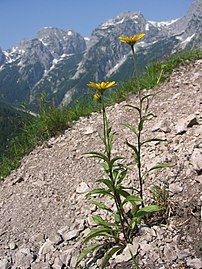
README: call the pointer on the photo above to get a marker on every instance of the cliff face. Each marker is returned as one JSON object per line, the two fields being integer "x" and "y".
{"x": 43, "y": 211}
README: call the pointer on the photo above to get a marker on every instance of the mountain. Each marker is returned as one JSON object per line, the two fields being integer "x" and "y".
{"x": 28, "y": 63}
{"x": 60, "y": 62}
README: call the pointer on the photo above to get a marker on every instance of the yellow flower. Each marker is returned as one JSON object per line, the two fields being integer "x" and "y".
{"x": 97, "y": 97}
{"x": 102, "y": 86}
{"x": 131, "y": 40}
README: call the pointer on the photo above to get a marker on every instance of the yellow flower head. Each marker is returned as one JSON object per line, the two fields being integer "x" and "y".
{"x": 102, "y": 86}
{"x": 131, "y": 40}
{"x": 97, "y": 97}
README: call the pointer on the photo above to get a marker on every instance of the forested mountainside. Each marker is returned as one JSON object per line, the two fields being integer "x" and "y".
{"x": 11, "y": 122}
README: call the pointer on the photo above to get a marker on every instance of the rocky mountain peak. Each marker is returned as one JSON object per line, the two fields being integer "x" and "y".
{"x": 2, "y": 57}
{"x": 122, "y": 22}
{"x": 60, "y": 41}
{"x": 188, "y": 28}
{"x": 195, "y": 8}
{"x": 35, "y": 59}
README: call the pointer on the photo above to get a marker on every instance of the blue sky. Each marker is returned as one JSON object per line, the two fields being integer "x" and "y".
{"x": 23, "y": 18}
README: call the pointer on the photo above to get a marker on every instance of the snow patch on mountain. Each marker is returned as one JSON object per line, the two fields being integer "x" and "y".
{"x": 117, "y": 66}
{"x": 13, "y": 55}
{"x": 163, "y": 23}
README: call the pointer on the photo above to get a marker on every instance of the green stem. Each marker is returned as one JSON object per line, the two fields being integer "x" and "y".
{"x": 139, "y": 131}
{"x": 108, "y": 151}
{"x": 139, "y": 152}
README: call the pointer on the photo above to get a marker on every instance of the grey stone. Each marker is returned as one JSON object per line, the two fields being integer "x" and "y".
{"x": 63, "y": 230}
{"x": 23, "y": 258}
{"x": 70, "y": 235}
{"x": 4, "y": 264}
{"x": 175, "y": 188}
{"x": 40, "y": 265}
{"x": 170, "y": 253}
{"x": 196, "y": 159}
{"x": 183, "y": 254}
{"x": 82, "y": 188}
{"x": 161, "y": 126}
{"x": 73, "y": 261}
{"x": 66, "y": 256}
{"x": 183, "y": 124}
{"x": 56, "y": 239}
{"x": 194, "y": 263}
{"x": 145, "y": 247}
{"x": 89, "y": 130}
{"x": 12, "y": 245}
{"x": 58, "y": 264}
{"x": 46, "y": 248}
{"x": 125, "y": 255}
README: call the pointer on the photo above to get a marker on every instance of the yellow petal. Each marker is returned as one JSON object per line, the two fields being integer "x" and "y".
{"x": 131, "y": 40}
{"x": 101, "y": 86}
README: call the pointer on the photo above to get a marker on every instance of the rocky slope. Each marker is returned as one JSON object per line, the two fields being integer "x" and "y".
{"x": 61, "y": 62}
{"x": 44, "y": 215}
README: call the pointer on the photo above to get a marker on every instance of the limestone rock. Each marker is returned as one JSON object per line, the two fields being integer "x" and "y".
{"x": 184, "y": 123}
{"x": 161, "y": 126}
{"x": 58, "y": 264}
{"x": 23, "y": 258}
{"x": 12, "y": 245}
{"x": 196, "y": 159}
{"x": 194, "y": 263}
{"x": 125, "y": 255}
{"x": 70, "y": 235}
{"x": 46, "y": 248}
{"x": 40, "y": 265}
{"x": 82, "y": 188}
{"x": 89, "y": 130}
{"x": 4, "y": 264}
{"x": 170, "y": 253}
{"x": 55, "y": 239}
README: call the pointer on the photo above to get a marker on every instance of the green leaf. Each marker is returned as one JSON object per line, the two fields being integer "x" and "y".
{"x": 123, "y": 193}
{"x": 109, "y": 130}
{"x": 98, "y": 232}
{"x": 117, "y": 218}
{"x": 146, "y": 97}
{"x": 99, "y": 191}
{"x": 94, "y": 154}
{"x": 100, "y": 221}
{"x": 86, "y": 251}
{"x": 107, "y": 182}
{"x": 140, "y": 124}
{"x": 109, "y": 254}
{"x": 148, "y": 210}
{"x": 134, "y": 107}
{"x": 120, "y": 176}
{"x": 132, "y": 198}
{"x": 134, "y": 222}
{"x": 160, "y": 166}
{"x": 152, "y": 140}
{"x": 133, "y": 129}
{"x": 102, "y": 206}
{"x": 135, "y": 263}
{"x": 134, "y": 148}
{"x": 115, "y": 159}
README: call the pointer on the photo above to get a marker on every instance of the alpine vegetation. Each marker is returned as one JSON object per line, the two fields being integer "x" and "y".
{"x": 116, "y": 229}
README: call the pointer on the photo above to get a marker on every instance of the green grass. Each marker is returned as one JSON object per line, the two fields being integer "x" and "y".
{"x": 53, "y": 121}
